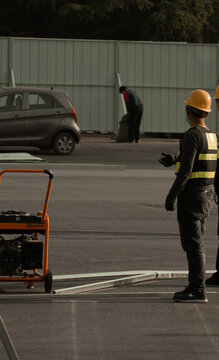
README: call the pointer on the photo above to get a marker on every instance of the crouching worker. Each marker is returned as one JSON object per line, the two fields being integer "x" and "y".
{"x": 135, "y": 110}
{"x": 193, "y": 188}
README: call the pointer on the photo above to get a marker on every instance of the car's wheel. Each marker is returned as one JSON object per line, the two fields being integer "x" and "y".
{"x": 64, "y": 143}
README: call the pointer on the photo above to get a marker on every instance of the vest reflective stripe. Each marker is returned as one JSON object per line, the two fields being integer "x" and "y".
{"x": 210, "y": 154}
{"x": 207, "y": 157}
{"x": 202, "y": 174}
{"x": 199, "y": 174}
{"x": 177, "y": 167}
{"x": 212, "y": 141}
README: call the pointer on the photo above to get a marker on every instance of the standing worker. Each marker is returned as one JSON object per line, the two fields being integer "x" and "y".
{"x": 193, "y": 188}
{"x": 134, "y": 107}
{"x": 214, "y": 279}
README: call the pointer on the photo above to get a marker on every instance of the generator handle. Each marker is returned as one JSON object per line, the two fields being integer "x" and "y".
{"x": 35, "y": 171}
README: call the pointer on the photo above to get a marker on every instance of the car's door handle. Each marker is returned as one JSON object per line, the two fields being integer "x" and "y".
{"x": 16, "y": 116}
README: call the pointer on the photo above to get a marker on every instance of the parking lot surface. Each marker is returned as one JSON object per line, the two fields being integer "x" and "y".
{"x": 108, "y": 222}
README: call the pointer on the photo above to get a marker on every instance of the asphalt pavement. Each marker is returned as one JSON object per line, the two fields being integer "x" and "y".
{"x": 118, "y": 251}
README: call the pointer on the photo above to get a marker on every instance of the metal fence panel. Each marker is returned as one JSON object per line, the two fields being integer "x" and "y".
{"x": 163, "y": 74}
{"x": 4, "y": 61}
{"x": 168, "y": 73}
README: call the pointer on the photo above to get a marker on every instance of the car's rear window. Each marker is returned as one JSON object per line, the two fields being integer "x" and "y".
{"x": 11, "y": 102}
{"x": 43, "y": 101}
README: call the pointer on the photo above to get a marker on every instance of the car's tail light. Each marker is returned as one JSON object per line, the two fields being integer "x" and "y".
{"x": 74, "y": 115}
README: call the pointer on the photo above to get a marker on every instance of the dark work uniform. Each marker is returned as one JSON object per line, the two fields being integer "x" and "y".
{"x": 135, "y": 109}
{"x": 216, "y": 186}
{"x": 195, "y": 170}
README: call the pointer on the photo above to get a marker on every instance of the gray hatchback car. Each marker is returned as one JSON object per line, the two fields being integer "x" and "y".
{"x": 38, "y": 117}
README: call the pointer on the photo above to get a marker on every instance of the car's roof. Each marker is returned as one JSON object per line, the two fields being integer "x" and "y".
{"x": 22, "y": 88}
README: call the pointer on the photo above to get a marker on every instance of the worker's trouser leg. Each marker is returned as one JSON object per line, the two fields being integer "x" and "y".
{"x": 138, "y": 122}
{"x": 217, "y": 259}
{"x": 132, "y": 120}
{"x": 192, "y": 211}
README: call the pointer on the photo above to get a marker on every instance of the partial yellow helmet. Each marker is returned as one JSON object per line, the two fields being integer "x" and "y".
{"x": 216, "y": 93}
{"x": 199, "y": 99}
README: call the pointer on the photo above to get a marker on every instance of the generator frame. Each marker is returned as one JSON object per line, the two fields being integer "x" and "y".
{"x": 40, "y": 226}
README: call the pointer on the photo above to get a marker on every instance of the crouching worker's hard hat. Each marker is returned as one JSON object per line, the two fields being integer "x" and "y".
{"x": 199, "y": 100}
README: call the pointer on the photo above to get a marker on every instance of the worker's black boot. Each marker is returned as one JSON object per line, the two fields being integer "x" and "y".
{"x": 213, "y": 280}
{"x": 191, "y": 295}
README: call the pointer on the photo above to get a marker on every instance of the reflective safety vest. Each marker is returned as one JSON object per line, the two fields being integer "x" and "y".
{"x": 205, "y": 162}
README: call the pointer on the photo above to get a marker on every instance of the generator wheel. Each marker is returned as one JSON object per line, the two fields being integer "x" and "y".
{"x": 48, "y": 282}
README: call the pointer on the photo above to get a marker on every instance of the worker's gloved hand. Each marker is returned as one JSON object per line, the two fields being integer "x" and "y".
{"x": 169, "y": 203}
{"x": 215, "y": 197}
{"x": 167, "y": 160}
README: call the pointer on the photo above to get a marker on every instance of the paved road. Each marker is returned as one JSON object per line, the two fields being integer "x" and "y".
{"x": 107, "y": 215}
{"x": 102, "y": 150}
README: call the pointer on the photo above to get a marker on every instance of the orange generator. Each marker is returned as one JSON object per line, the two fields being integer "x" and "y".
{"x": 26, "y": 251}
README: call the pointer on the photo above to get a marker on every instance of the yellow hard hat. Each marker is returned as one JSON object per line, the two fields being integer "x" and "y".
{"x": 216, "y": 93}
{"x": 199, "y": 99}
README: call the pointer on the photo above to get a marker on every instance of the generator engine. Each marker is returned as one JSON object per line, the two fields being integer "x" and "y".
{"x": 21, "y": 253}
